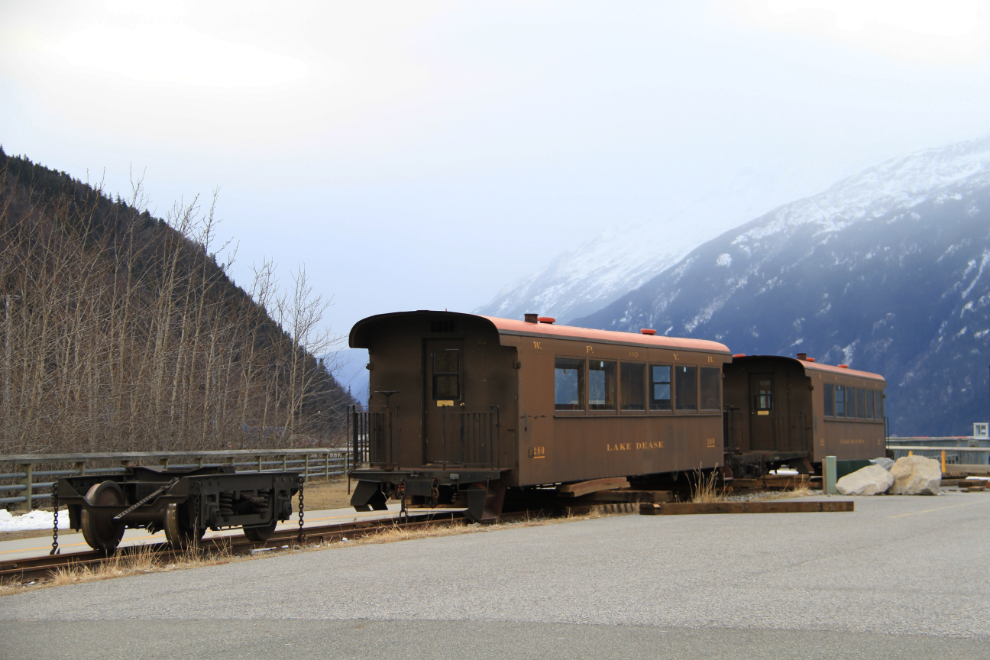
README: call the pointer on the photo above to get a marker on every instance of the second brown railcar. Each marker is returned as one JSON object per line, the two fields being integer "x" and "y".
{"x": 466, "y": 406}
{"x": 787, "y": 411}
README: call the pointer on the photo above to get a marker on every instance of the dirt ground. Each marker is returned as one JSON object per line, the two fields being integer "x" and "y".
{"x": 319, "y": 495}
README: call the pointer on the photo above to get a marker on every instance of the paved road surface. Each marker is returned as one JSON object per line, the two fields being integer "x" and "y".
{"x": 901, "y": 577}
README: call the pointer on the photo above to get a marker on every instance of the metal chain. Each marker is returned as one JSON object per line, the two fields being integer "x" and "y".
{"x": 301, "y": 511}
{"x": 55, "y": 550}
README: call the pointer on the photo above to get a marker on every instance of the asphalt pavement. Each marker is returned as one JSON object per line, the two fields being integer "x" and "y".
{"x": 903, "y": 576}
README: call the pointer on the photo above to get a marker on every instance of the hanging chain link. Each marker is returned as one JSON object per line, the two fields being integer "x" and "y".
{"x": 55, "y": 550}
{"x": 301, "y": 511}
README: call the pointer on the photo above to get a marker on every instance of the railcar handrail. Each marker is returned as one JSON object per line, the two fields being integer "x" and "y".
{"x": 20, "y": 473}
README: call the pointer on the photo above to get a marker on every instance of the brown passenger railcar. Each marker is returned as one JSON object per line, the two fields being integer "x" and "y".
{"x": 463, "y": 407}
{"x": 786, "y": 411}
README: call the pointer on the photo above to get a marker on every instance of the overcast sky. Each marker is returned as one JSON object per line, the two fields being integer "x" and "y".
{"x": 424, "y": 154}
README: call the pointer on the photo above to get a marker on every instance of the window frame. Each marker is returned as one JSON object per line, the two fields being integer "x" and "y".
{"x": 651, "y": 385}
{"x": 677, "y": 390}
{"x": 644, "y": 401}
{"x": 604, "y": 409}
{"x": 582, "y": 385}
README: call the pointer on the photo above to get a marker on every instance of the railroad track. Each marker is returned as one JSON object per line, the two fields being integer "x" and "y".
{"x": 41, "y": 568}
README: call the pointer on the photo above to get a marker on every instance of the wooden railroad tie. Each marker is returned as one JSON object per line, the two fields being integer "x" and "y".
{"x": 688, "y": 508}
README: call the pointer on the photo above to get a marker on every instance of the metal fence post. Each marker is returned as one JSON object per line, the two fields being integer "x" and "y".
{"x": 306, "y": 470}
{"x": 28, "y": 483}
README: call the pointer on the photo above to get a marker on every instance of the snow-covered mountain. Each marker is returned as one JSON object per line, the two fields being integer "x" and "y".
{"x": 626, "y": 256}
{"x": 888, "y": 271}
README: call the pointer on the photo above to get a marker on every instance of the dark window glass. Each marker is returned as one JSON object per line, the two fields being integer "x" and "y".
{"x": 881, "y": 404}
{"x": 568, "y": 384}
{"x": 763, "y": 396}
{"x": 869, "y": 404}
{"x": 840, "y": 401}
{"x": 601, "y": 385}
{"x": 632, "y": 380}
{"x": 860, "y": 403}
{"x": 659, "y": 387}
{"x": 710, "y": 380}
{"x": 686, "y": 388}
{"x": 850, "y": 402}
{"x": 446, "y": 374}
{"x": 829, "y": 400}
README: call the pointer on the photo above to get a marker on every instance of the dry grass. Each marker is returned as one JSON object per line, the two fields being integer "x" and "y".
{"x": 705, "y": 488}
{"x": 325, "y": 495}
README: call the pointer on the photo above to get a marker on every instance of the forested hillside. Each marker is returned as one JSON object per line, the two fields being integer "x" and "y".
{"x": 121, "y": 332}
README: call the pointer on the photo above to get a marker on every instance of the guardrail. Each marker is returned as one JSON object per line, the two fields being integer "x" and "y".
{"x": 948, "y": 455}
{"x": 25, "y": 475}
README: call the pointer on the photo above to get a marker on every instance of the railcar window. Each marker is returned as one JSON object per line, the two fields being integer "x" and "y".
{"x": 632, "y": 380}
{"x": 710, "y": 379}
{"x": 860, "y": 403}
{"x": 686, "y": 388}
{"x": 840, "y": 401}
{"x": 850, "y": 402}
{"x": 763, "y": 396}
{"x": 660, "y": 387}
{"x": 568, "y": 384}
{"x": 446, "y": 374}
{"x": 881, "y": 404}
{"x": 869, "y": 404}
{"x": 829, "y": 400}
{"x": 601, "y": 385}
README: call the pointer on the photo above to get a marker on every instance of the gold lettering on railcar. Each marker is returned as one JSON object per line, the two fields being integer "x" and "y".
{"x": 852, "y": 441}
{"x": 709, "y": 359}
{"x": 634, "y": 354}
{"x": 536, "y": 345}
{"x": 675, "y": 356}
{"x": 589, "y": 349}
{"x": 538, "y": 452}
{"x": 658, "y": 444}
{"x": 621, "y": 446}
{"x": 711, "y": 442}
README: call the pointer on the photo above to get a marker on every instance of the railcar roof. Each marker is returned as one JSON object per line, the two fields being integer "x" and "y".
{"x": 818, "y": 366}
{"x": 550, "y": 330}
{"x": 524, "y": 328}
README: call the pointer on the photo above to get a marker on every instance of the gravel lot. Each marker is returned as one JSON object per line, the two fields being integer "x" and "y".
{"x": 895, "y": 567}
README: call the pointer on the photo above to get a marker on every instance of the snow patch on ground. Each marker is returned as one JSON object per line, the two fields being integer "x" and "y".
{"x": 32, "y": 520}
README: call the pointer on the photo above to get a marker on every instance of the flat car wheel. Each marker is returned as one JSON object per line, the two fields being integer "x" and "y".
{"x": 262, "y": 533}
{"x": 179, "y": 531}
{"x": 98, "y": 527}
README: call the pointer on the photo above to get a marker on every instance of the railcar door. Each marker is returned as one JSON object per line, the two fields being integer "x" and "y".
{"x": 443, "y": 390}
{"x": 762, "y": 412}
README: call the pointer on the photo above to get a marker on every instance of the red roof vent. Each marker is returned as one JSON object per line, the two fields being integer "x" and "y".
{"x": 648, "y": 331}
{"x": 811, "y": 359}
{"x": 546, "y": 319}
{"x": 843, "y": 366}
{"x": 739, "y": 355}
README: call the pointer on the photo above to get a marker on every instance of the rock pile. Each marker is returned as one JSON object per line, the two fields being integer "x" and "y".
{"x": 910, "y": 475}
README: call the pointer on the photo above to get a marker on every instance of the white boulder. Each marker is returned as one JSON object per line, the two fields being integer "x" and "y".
{"x": 871, "y": 480}
{"x": 916, "y": 475}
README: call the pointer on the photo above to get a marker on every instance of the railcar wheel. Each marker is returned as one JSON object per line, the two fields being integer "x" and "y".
{"x": 262, "y": 533}
{"x": 179, "y": 530}
{"x": 98, "y": 527}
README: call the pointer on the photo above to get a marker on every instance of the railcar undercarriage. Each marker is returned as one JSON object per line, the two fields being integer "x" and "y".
{"x": 183, "y": 503}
